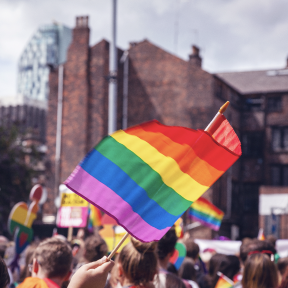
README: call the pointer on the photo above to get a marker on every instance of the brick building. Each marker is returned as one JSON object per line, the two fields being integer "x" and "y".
{"x": 262, "y": 98}
{"x": 160, "y": 86}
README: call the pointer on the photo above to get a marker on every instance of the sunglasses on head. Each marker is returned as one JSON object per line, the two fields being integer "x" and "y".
{"x": 267, "y": 252}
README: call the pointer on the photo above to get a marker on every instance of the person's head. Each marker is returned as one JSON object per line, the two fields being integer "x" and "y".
{"x": 166, "y": 246}
{"x": 4, "y": 276}
{"x": 172, "y": 281}
{"x": 255, "y": 245}
{"x": 52, "y": 259}
{"x": 233, "y": 266}
{"x": 272, "y": 239}
{"x": 95, "y": 248}
{"x": 187, "y": 270}
{"x": 29, "y": 254}
{"x": 215, "y": 262}
{"x": 259, "y": 272}
{"x": 282, "y": 265}
{"x": 172, "y": 269}
{"x": 223, "y": 264}
{"x": 192, "y": 249}
{"x": 137, "y": 263}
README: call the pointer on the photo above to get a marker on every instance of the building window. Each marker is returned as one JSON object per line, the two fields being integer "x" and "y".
{"x": 250, "y": 195}
{"x": 279, "y": 138}
{"x": 254, "y": 104}
{"x": 274, "y": 104}
{"x": 279, "y": 175}
{"x": 219, "y": 90}
{"x": 252, "y": 144}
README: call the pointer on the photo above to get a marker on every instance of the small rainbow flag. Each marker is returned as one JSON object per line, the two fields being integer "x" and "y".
{"x": 148, "y": 175}
{"x": 261, "y": 235}
{"x": 206, "y": 213}
{"x": 223, "y": 281}
{"x": 94, "y": 218}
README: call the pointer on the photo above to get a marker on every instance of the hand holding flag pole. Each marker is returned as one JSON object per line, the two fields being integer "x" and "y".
{"x": 211, "y": 128}
{"x": 110, "y": 176}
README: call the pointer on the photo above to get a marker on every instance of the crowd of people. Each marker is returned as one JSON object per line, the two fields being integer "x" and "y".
{"x": 83, "y": 263}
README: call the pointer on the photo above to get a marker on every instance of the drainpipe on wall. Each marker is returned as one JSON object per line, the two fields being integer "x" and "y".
{"x": 59, "y": 129}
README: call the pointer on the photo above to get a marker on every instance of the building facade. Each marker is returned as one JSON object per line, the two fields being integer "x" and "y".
{"x": 47, "y": 48}
{"x": 176, "y": 92}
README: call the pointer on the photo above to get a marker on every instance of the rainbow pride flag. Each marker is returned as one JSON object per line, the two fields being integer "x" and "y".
{"x": 148, "y": 175}
{"x": 94, "y": 218}
{"x": 206, "y": 213}
{"x": 223, "y": 281}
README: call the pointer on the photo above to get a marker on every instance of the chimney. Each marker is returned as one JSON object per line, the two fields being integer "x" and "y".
{"x": 82, "y": 22}
{"x": 132, "y": 44}
{"x": 194, "y": 58}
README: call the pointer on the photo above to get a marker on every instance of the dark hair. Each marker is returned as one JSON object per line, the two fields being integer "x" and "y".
{"x": 4, "y": 276}
{"x": 167, "y": 244}
{"x": 192, "y": 249}
{"x": 172, "y": 281}
{"x": 218, "y": 262}
{"x": 139, "y": 262}
{"x": 187, "y": 270}
{"x": 95, "y": 248}
{"x": 233, "y": 268}
{"x": 259, "y": 272}
{"x": 172, "y": 269}
{"x": 272, "y": 239}
{"x": 2, "y": 250}
{"x": 54, "y": 256}
{"x": 255, "y": 245}
{"x": 282, "y": 264}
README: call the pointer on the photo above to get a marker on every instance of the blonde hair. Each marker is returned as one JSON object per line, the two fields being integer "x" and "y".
{"x": 139, "y": 262}
{"x": 259, "y": 272}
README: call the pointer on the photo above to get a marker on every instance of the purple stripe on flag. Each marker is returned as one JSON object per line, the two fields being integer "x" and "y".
{"x": 94, "y": 191}
{"x": 204, "y": 223}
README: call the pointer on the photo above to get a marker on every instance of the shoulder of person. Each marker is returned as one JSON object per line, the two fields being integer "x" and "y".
{"x": 33, "y": 282}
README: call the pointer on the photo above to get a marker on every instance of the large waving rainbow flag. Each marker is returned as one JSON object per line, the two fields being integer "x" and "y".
{"x": 148, "y": 175}
{"x": 206, "y": 213}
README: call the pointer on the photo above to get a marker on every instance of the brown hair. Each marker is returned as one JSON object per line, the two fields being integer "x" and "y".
{"x": 139, "y": 262}
{"x": 282, "y": 264}
{"x": 54, "y": 256}
{"x": 254, "y": 245}
{"x": 192, "y": 249}
{"x": 29, "y": 254}
{"x": 95, "y": 248}
{"x": 4, "y": 276}
{"x": 172, "y": 281}
{"x": 259, "y": 272}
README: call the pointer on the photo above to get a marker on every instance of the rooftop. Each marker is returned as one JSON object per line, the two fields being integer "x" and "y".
{"x": 252, "y": 82}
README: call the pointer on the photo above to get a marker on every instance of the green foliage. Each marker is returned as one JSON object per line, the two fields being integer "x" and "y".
{"x": 15, "y": 172}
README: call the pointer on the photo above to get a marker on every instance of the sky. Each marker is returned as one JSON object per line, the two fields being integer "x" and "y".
{"x": 233, "y": 35}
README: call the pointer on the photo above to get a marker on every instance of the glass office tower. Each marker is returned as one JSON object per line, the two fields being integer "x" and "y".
{"x": 47, "y": 48}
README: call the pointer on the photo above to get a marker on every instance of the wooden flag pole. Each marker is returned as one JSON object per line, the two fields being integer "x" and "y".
{"x": 118, "y": 246}
{"x": 217, "y": 120}
{"x": 212, "y": 127}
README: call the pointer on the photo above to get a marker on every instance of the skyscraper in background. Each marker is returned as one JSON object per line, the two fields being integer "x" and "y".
{"x": 47, "y": 48}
